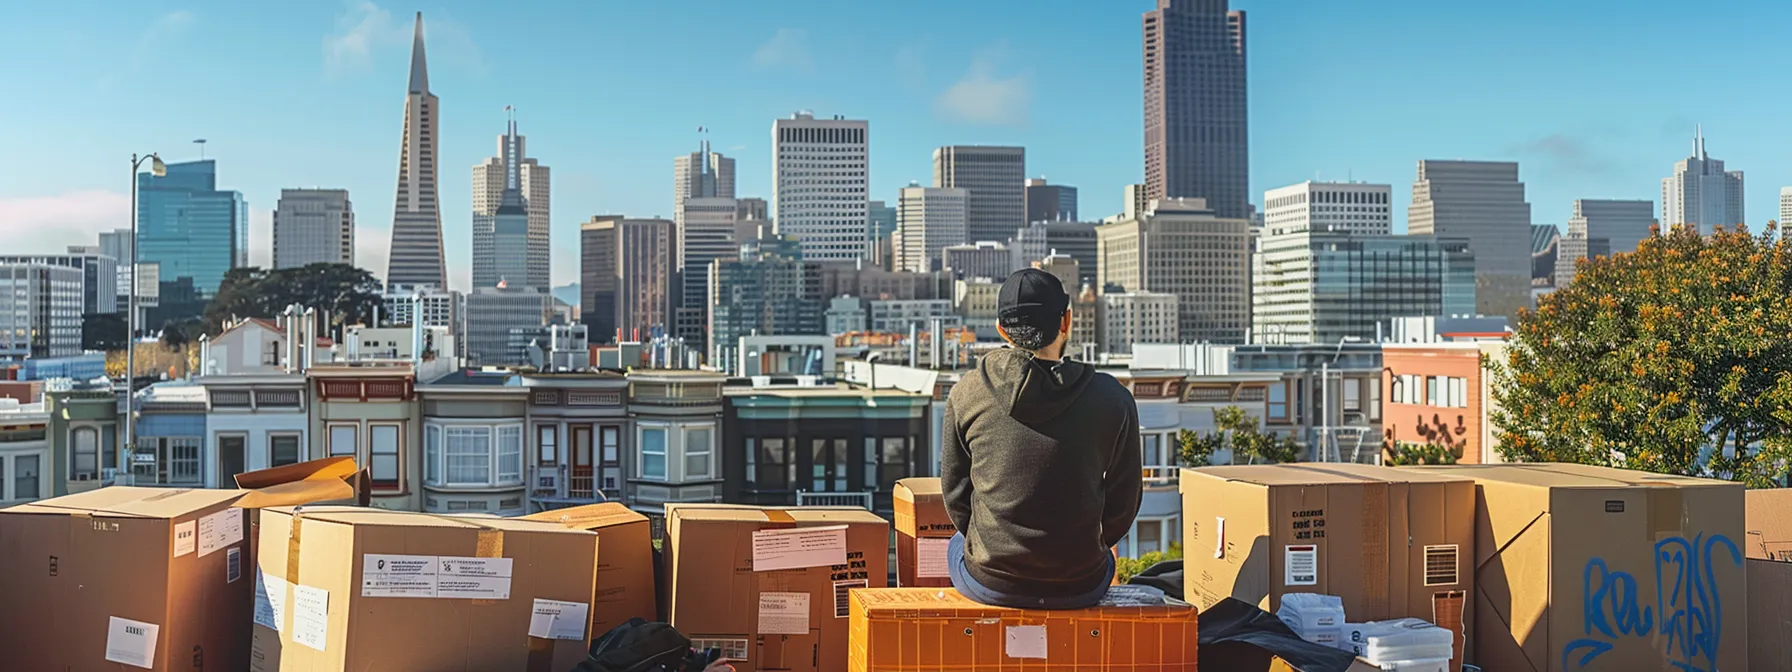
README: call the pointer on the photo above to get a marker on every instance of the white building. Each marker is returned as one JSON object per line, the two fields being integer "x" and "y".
{"x": 1785, "y": 206}
{"x": 1483, "y": 202}
{"x": 1180, "y": 247}
{"x": 897, "y": 315}
{"x": 928, "y": 219}
{"x": 985, "y": 259}
{"x": 40, "y": 310}
{"x": 313, "y": 226}
{"x": 1340, "y": 207}
{"x": 521, "y": 255}
{"x": 25, "y": 467}
{"x": 98, "y": 273}
{"x": 996, "y": 178}
{"x": 117, "y": 244}
{"x": 821, "y": 172}
{"x": 1701, "y": 193}
{"x": 1125, "y": 318}
{"x": 400, "y": 305}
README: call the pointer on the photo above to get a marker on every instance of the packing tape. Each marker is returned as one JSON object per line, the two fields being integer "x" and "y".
{"x": 488, "y": 544}
{"x": 541, "y": 654}
{"x": 779, "y": 517}
{"x": 1375, "y": 549}
{"x": 293, "y": 546}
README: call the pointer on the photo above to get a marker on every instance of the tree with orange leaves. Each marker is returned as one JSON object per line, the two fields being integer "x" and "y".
{"x": 1676, "y": 358}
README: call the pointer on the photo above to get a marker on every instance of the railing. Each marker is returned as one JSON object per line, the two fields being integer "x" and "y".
{"x": 1161, "y": 475}
{"x": 858, "y": 499}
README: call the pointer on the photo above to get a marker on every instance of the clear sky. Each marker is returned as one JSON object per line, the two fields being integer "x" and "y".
{"x": 1595, "y": 98}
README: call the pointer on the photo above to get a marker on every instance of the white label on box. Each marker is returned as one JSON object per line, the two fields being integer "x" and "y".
{"x": 185, "y": 538}
{"x": 233, "y": 566}
{"x": 233, "y": 525}
{"x": 553, "y": 619}
{"x": 310, "y": 616}
{"x": 1219, "y": 538}
{"x": 1302, "y": 565}
{"x": 930, "y": 559}
{"x": 1025, "y": 641}
{"x": 399, "y": 575}
{"x": 270, "y": 600}
{"x": 783, "y": 613}
{"x": 208, "y": 535}
{"x": 219, "y": 530}
{"x": 799, "y": 548}
{"x": 475, "y": 578}
{"x": 132, "y": 642}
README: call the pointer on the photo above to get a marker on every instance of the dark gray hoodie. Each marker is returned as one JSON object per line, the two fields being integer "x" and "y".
{"x": 1041, "y": 468}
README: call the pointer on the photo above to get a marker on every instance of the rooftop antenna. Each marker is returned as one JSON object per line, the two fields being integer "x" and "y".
{"x": 201, "y": 143}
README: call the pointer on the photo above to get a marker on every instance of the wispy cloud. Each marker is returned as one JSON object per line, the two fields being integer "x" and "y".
{"x": 911, "y": 64}
{"x": 366, "y": 31}
{"x": 52, "y": 223}
{"x": 788, "y": 49}
{"x": 1567, "y": 153}
{"x": 985, "y": 96}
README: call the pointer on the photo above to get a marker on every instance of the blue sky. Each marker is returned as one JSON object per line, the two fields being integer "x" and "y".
{"x": 1595, "y": 98}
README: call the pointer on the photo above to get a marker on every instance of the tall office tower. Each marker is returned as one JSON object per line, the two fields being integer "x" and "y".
{"x": 193, "y": 231}
{"x": 1623, "y": 224}
{"x": 1701, "y": 193}
{"x": 40, "y": 310}
{"x": 1042, "y": 239}
{"x": 402, "y": 304}
{"x": 117, "y": 244}
{"x": 313, "y": 226}
{"x": 493, "y": 312}
{"x": 1197, "y": 125}
{"x": 1320, "y": 286}
{"x": 99, "y": 275}
{"x": 1137, "y": 202}
{"x": 1126, "y": 318}
{"x": 984, "y": 260}
{"x": 1050, "y": 202}
{"x": 883, "y": 219}
{"x": 1183, "y": 248}
{"x": 1546, "y": 247}
{"x": 1483, "y": 202}
{"x": 768, "y": 289}
{"x": 1338, "y": 207}
{"x": 752, "y": 209}
{"x": 706, "y": 232}
{"x": 701, "y": 174}
{"x": 506, "y": 224}
{"x": 627, "y": 277}
{"x": 416, "y": 251}
{"x": 821, "y": 172}
{"x": 928, "y": 219}
{"x": 997, "y": 180}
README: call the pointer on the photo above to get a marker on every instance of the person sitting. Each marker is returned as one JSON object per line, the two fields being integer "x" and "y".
{"x": 1040, "y": 462}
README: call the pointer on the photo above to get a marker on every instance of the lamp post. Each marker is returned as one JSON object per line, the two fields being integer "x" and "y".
{"x": 158, "y": 169}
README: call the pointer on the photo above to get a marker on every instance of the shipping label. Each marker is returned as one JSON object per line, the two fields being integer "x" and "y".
{"x": 1301, "y": 565}
{"x": 310, "y": 616}
{"x": 185, "y": 537}
{"x": 220, "y": 530}
{"x": 474, "y": 578}
{"x": 233, "y": 565}
{"x": 731, "y": 648}
{"x": 553, "y": 619}
{"x": 431, "y": 576}
{"x": 843, "y": 596}
{"x": 783, "y": 613}
{"x": 132, "y": 642}
{"x": 930, "y": 558}
{"x": 1025, "y": 641}
{"x": 270, "y": 600}
{"x": 799, "y": 548}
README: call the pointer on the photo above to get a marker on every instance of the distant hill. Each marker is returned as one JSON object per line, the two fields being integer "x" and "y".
{"x": 568, "y": 294}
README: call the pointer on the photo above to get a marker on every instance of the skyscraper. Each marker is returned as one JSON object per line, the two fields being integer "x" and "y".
{"x": 1197, "y": 133}
{"x": 40, "y": 310}
{"x": 821, "y": 177}
{"x": 928, "y": 219}
{"x": 313, "y": 226}
{"x": 769, "y": 290}
{"x": 99, "y": 275}
{"x": 117, "y": 244}
{"x": 1623, "y": 224}
{"x": 1183, "y": 248}
{"x": 416, "y": 251}
{"x": 702, "y": 174}
{"x": 1050, "y": 202}
{"x": 1338, "y": 207}
{"x": 1319, "y": 286}
{"x": 996, "y": 178}
{"x": 629, "y": 265}
{"x": 1483, "y": 202}
{"x": 1042, "y": 239}
{"x": 707, "y": 232}
{"x": 193, "y": 231}
{"x": 1785, "y": 219}
{"x": 1701, "y": 193}
{"x": 526, "y": 260}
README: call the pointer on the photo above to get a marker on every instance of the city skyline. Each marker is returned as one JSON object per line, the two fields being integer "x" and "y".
{"x": 343, "y": 63}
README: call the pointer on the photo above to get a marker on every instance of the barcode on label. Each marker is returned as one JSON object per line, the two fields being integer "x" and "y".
{"x": 843, "y": 596}
{"x": 233, "y": 566}
{"x": 732, "y": 649}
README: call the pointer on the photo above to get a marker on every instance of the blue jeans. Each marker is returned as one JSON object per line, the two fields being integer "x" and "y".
{"x": 969, "y": 587}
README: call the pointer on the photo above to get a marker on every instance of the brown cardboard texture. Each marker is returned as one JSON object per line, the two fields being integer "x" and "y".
{"x": 1769, "y": 614}
{"x": 1769, "y": 518}
{"x": 1580, "y": 567}
{"x": 770, "y": 586}
{"x": 154, "y": 577}
{"x": 911, "y": 629}
{"x": 624, "y": 568}
{"x": 1390, "y": 543}
{"x": 349, "y": 588}
{"x": 920, "y": 510}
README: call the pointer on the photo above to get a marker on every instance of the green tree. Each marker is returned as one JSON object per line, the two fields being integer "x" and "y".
{"x": 1676, "y": 358}
{"x": 104, "y": 332}
{"x": 346, "y": 294}
{"x": 1236, "y": 429}
{"x": 1126, "y": 568}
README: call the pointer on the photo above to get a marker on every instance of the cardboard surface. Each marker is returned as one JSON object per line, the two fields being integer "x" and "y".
{"x": 1389, "y": 543}
{"x": 920, "y": 510}
{"x": 352, "y": 562}
{"x": 1769, "y": 571}
{"x": 723, "y": 596}
{"x": 624, "y": 567}
{"x": 1279, "y": 665}
{"x": 1582, "y": 567}
{"x": 934, "y": 630}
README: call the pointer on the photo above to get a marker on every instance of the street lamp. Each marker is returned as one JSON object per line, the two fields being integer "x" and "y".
{"x": 158, "y": 169}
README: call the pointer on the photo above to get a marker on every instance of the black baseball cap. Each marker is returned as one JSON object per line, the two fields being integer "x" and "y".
{"x": 1034, "y": 296}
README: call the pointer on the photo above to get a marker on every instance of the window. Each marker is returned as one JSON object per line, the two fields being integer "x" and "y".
{"x": 1353, "y": 394}
{"x": 697, "y": 451}
{"x": 777, "y": 471}
{"x": 283, "y": 449}
{"x": 1150, "y": 536}
{"x": 109, "y": 449}
{"x": 895, "y": 462}
{"x": 343, "y": 440}
{"x": 752, "y": 455}
{"x": 467, "y": 455}
{"x": 86, "y": 443}
{"x": 1153, "y": 449}
{"x": 432, "y": 454}
{"x": 510, "y": 454}
{"x": 169, "y": 460}
{"x": 547, "y": 445}
{"x": 611, "y": 437}
{"x": 1431, "y": 390}
{"x": 383, "y": 449}
{"x": 25, "y": 481}
{"x": 653, "y": 452}
{"x": 1375, "y": 402}
{"x": 871, "y": 455}
{"x": 232, "y": 454}
{"x": 1459, "y": 392}
{"x": 1278, "y": 401}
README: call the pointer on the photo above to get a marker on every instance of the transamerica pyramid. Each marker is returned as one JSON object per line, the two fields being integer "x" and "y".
{"x": 416, "y": 252}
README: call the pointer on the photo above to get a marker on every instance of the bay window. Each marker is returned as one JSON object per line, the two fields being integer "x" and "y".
{"x": 653, "y": 452}
{"x": 382, "y": 460}
{"x": 473, "y": 455}
{"x": 86, "y": 443}
{"x": 698, "y": 448}
{"x": 510, "y": 454}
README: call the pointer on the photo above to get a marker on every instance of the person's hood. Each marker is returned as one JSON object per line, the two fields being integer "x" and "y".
{"x": 1029, "y": 390}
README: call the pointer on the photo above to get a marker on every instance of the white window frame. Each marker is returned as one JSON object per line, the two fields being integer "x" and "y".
{"x": 436, "y": 440}
{"x": 9, "y": 473}
{"x": 75, "y": 451}
{"x": 641, "y": 429}
{"x": 354, "y": 448}
{"x": 708, "y": 453}
{"x": 398, "y": 456}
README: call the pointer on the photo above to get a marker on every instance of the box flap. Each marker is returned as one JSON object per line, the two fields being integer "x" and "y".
{"x": 132, "y": 502}
{"x": 818, "y": 514}
{"x": 355, "y": 515}
{"x": 329, "y": 479}
{"x": 589, "y": 517}
{"x": 1319, "y": 474}
{"x": 1769, "y": 524}
{"x": 1565, "y": 475}
{"x": 909, "y": 488}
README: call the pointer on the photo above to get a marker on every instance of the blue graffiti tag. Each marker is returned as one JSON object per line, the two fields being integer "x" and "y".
{"x": 1688, "y": 610}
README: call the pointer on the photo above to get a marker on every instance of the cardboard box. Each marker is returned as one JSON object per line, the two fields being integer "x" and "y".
{"x": 769, "y": 586}
{"x": 350, "y": 588}
{"x": 1389, "y": 543}
{"x": 1580, "y": 567}
{"x": 1360, "y": 665}
{"x": 624, "y": 568}
{"x": 903, "y": 629}
{"x": 1769, "y": 571}
{"x": 922, "y": 530}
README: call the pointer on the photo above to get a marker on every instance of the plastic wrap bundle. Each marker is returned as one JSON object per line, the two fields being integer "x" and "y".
{"x": 1405, "y": 644}
{"x": 1316, "y": 618}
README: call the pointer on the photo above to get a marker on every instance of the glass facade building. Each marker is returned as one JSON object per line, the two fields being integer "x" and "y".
{"x": 1324, "y": 287}
{"x": 193, "y": 231}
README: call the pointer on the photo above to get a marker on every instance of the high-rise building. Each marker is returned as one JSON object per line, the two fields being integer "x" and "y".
{"x": 996, "y": 179}
{"x": 193, "y": 231}
{"x": 985, "y": 259}
{"x": 1042, "y": 239}
{"x": 1623, "y": 224}
{"x": 883, "y": 219}
{"x": 1701, "y": 193}
{"x": 1137, "y": 202}
{"x": 1483, "y": 202}
{"x": 117, "y": 244}
{"x": 753, "y": 209}
{"x": 492, "y": 312}
{"x": 851, "y": 278}
{"x": 1126, "y": 318}
{"x": 707, "y": 230}
{"x": 416, "y": 250}
{"x": 511, "y": 207}
{"x": 1050, "y": 202}
{"x": 1573, "y": 249}
{"x": 1197, "y": 122}
{"x": 1181, "y": 247}
{"x": 928, "y": 219}
{"x": 701, "y": 174}
{"x": 1546, "y": 246}
{"x": 770, "y": 290}
{"x": 821, "y": 176}
{"x": 313, "y": 226}
{"x": 1317, "y": 286}
{"x": 1338, "y": 207}
{"x": 40, "y": 310}
{"x": 99, "y": 275}
{"x": 1785, "y": 219}
{"x": 627, "y": 277}
{"x": 1083, "y": 310}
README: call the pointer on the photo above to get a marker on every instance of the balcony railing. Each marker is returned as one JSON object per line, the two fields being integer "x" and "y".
{"x": 858, "y": 499}
{"x": 1161, "y": 475}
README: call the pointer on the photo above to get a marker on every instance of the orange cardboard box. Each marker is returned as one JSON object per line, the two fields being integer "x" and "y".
{"x": 625, "y": 587}
{"x": 768, "y": 587}
{"x": 922, "y": 530}
{"x": 1769, "y": 569}
{"x": 913, "y": 629}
